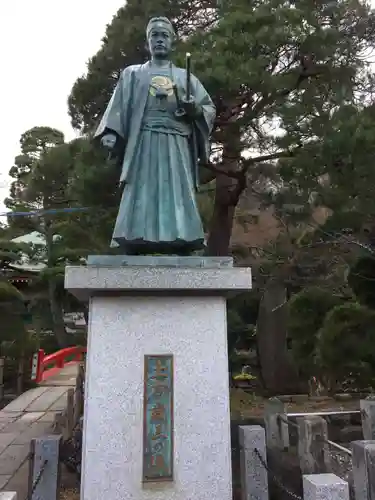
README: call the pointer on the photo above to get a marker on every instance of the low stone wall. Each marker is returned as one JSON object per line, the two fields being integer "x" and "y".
{"x": 266, "y": 475}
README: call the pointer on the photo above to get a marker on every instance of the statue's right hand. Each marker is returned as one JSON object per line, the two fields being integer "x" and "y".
{"x": 109, "y": 141}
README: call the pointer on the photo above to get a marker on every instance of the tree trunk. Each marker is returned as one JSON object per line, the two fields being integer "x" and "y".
{"x": 222, "y": 220}
{"x": 86, "y": 315}
{"x": 278, "y": 373}
{"x": 20, "y": 373}
{"x": 55, "y": 306}
{"x": 57, "y": 315}
{"x": 227, "y": 195}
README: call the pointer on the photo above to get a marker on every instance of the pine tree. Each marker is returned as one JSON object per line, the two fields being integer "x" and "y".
{"x": 268, "y": 65}
{"x": 41, "y": 180}
{"x": 281, "y": 74}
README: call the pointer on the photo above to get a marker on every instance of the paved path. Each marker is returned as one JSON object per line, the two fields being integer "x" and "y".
{"x": 29, "y": 416}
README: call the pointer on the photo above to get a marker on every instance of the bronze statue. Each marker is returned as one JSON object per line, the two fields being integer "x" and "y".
{"x": 160, "y": 117}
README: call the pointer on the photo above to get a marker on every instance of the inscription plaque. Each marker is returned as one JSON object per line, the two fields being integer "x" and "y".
{"x": 158, "y": 418}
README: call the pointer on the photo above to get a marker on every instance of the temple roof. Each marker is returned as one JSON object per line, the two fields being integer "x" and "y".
{"x": 33, "y": 238}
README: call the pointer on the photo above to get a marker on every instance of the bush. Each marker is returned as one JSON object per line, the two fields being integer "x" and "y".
{"x": 16, "y": 344}
{"x": 306, "y": 312}
{"x": 346, "y": 345}
{"x": 242, "y": 312}
{"x": 361, "y": 280}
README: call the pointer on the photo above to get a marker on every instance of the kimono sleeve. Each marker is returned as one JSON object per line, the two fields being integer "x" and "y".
{"x": 117, "y": 115}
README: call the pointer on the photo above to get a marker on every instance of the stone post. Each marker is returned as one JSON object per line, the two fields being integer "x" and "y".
{"x": 324, "y": 487}
{"x": 312, "y": 446}
{"x": 254, "y": 477}
{"x": 277, "y": 430}
{"x": 363, "y": 458}
{"x": 44, "y": 475}
{"x": 2, "y": 363}
{"x": 8, "y": 495}
{"x": 368, "y": 418}
{"x": 370, "y": 462}
{"x": 70, "y": 424}
{"x": 78, "y": 397}
{"x": 144, "y": 307}
{"x": 360, "y": 469}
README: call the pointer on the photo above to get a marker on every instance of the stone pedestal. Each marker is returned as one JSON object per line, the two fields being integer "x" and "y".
{"x": 157, "y": 309}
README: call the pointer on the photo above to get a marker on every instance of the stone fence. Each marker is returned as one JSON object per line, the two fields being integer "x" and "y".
{"x": 44, "y": 470}
{"x": 257, "y": 445}
{"x": 314, "y": 456}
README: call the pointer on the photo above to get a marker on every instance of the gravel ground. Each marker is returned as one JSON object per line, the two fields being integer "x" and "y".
{"x": 249, "y": 405}
{"x": 69, "y": 495}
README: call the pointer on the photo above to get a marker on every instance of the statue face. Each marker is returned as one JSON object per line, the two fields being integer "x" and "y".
{"x": 160, "y": 42}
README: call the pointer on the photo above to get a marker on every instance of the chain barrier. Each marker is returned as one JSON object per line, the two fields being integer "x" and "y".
{"x": 71, "y": 451}
{"x": 288, "y": 421}
{"x": 37, "y": 480}
{"x": 275, "y": 479}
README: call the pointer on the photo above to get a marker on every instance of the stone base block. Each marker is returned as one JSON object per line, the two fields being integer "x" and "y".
{"x": 325, "y": 487}
{"x": 138, "y": 310}
{"x": 122, "y": 331}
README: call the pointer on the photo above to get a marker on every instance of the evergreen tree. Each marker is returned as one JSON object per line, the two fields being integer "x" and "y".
{"x": 269, "y": 65}
{"x": 291, "y": 82}
{"x": 14, "y": 339}
{"x": 41, "y": 179}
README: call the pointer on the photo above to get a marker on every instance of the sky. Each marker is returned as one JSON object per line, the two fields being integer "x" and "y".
{"x": 44, "y": 48}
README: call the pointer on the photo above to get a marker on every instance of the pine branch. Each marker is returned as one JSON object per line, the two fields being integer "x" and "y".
{"x": 246, "y": 163}
{"x": 306, "y": 71}
{"x": 272, "y": 156}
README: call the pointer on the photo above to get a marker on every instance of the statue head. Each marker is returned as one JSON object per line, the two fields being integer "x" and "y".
{"x": 160, "y": 37}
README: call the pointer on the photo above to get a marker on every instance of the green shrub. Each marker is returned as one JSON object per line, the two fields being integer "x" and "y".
{"x": 306, "y": 313}
{"x": 346, "y": 345}
{"x": 361, "y": 280}
{"x": 16, "y": 343}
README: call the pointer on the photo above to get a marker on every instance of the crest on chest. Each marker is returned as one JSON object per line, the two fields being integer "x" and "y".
{"x": 161, "y": 86}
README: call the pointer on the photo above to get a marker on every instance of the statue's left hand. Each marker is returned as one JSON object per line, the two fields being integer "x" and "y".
{"x": 191, "y": 107}
{"x": 109, "y": 141}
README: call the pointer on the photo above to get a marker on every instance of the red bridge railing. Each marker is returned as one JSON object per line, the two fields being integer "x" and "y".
{"x": 44, "y": 367}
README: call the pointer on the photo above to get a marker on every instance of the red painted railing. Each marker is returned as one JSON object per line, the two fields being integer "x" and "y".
{"x": 44, "y": 367}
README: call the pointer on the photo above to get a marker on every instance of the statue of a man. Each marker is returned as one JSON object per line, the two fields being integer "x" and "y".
{"x": 162, "y": 133}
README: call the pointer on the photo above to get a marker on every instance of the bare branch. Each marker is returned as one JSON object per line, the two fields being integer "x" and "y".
{"x": 220, "y": 171}
{"x": 245, "y": 164}
{"x": 274, "y": 156}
